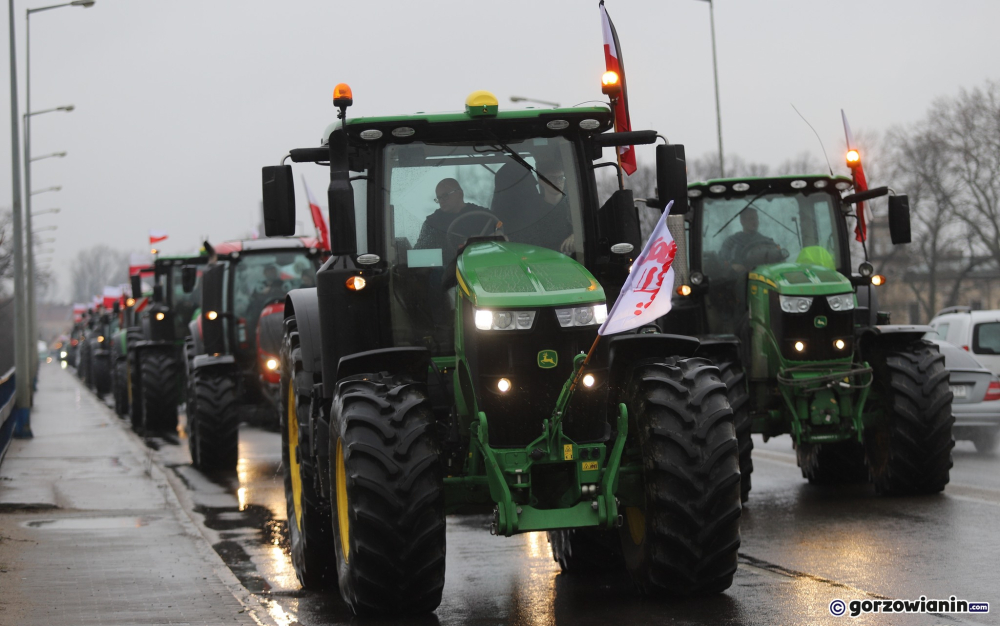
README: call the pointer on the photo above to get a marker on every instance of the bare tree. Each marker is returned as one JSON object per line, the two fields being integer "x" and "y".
{"x": 6, "y": 249}
{"x": 97, "y": 267}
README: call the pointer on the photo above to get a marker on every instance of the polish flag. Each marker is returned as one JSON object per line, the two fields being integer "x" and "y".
{"x": 317, "y": 214}
{"x": 614, "y": 63}
{"x": 860, "y": 183}
{"x": 641, "y": 301}
{"x": 138, "y": 262}
{"x": 156, "y": 236}
{"x": 111, "y": 295}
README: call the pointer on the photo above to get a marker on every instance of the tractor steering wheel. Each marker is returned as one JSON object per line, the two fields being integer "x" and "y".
{"x": 763, "y": 252}
{"x": 456, "y": 238}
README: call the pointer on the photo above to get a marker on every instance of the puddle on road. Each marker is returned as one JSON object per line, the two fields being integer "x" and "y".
{"x": 89, "y": 523}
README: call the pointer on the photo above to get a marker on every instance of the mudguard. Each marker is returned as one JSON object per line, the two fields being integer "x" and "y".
{"x": 304, "y": 305}
{"x": 196, "y": 337}
{"x": 890, "y": 335}
{"x": 414, "y": 362}
{"x": 619, "y": 353}
{"x": 719, "y": 346}
{"x": 203, "y": 361}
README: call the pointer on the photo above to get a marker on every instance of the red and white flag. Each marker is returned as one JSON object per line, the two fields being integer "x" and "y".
{"x": 641, "y": 300}
{"x": 860, "y": 183}
{"x": 614, "y": 63}
{"x": 111, "y": 295}
{"x": 317, "y": 214}
{"x": 139, "y": 261}
{"x": 156, "y": 236}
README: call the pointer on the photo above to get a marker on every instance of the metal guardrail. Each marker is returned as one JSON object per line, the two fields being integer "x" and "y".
{"x": 8, "y": 397}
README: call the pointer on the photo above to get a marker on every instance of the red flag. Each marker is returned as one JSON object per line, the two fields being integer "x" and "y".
{"x": 156, "y": 236}
{"x": 614, "y": 63}
{"x": 860, "y": 183}
{"x": 317, "y": 214}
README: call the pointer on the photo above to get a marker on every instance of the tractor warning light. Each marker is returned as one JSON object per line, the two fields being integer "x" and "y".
{"x": 342, "y": 95}
{"x": 853, "y": 158}
{"x": 610, "y": 83}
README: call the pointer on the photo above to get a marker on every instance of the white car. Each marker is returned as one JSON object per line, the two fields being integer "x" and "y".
{"x": 977, "y": 332}
{"x": 976, "y": 398}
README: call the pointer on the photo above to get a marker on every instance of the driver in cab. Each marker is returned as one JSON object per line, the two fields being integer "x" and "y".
{"x": 450, "y": 219}
{"x": 737, "y": 249}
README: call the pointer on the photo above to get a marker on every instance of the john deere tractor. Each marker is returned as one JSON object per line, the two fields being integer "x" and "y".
{"x": 155, "y": 345}
{"x": 795, "y": 329}
{"x": 232, "y": 351}
{"x": 431, "y": 370}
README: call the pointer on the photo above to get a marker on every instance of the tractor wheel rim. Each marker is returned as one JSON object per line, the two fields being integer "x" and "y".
{"x": 293, "y": 456}
{"x": 636, "y": 521}
{"x": 343, "y": 523}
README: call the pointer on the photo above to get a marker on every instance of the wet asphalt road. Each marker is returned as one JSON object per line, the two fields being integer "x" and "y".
{"x": 802, "y": 548}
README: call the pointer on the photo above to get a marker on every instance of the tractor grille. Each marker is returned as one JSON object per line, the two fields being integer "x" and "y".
{"x": 819, "y": 340}
{"x": 515, "y": 417}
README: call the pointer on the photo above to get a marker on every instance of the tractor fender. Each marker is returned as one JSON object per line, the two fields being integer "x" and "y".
{"x": 890, "y": 335}
{"x": 195, "y": 329}
{"x": 621, "y": 353}
{"x": 414, "y": 362}
{"x": 304, "y": 305}
{"x": 203, "y": 361}
{"x": 716, "y": 347}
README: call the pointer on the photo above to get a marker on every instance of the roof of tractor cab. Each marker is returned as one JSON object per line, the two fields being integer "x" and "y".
{"x": 755, "y": 184}
{"x": 270, "y": 243}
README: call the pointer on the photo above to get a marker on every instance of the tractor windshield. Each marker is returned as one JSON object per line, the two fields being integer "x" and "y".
{"x": 265, "y": 277}
{"x": 183, "y": 304}
{"x": 437, "y": 195}
{"x": 776, "y": 227}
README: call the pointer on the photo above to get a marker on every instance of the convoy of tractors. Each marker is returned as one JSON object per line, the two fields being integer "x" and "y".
{"x": 449, "y": 363}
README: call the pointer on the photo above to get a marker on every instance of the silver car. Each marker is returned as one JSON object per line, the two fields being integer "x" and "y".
{"x": 975, "y": 405}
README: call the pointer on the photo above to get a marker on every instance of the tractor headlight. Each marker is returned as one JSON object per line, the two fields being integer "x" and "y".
{"x": 504, "y": 320}
{"x": 795, "y": 304}
{"x": 63, "y": 354}
{"x": 582, "y": 315}
{"x": 160, "y": 315}
{"x": 841, "y": 302}
{"x": 271, "y": 364}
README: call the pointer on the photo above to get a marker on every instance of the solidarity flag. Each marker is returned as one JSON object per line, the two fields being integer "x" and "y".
{"x": 156, "y": 236}
{"x": 111, "y": 295}
{"x": 317, "y": 214}
{"x": 614, "y": 63}
{"x": 860, "y": 183}
{"x": 640, "y": 301}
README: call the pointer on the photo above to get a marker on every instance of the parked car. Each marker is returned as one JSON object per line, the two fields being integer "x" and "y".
{"x": 976, "y": 393}
{"x": 977, "y": 332}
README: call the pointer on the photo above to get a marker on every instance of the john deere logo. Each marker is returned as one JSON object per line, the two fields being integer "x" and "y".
{"x": 819, "y": 321}
{"x": 547, "y": 359}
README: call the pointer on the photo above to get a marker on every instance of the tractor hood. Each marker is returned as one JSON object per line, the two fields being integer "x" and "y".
{"x": 797, "y": 279}
{"x": 506, "y": 274}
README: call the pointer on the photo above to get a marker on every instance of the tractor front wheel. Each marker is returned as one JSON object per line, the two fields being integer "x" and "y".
{"x": 310, "y": 528}
{"x": 684, "y": 540}
{"x": 101, "y": 367}
{"x": 388, "y": 496}
{"x": 213, "y": 421}
{"x": 160, "y": 373}
{"x": 739, "y": 401}
{"x": 908, "y": 447}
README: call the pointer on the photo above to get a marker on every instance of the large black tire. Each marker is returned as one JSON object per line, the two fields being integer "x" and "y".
{"x": 388, "y": 511}
{"x": 586, "y": 550}
{"x": 684, "y": 540}
{"x": 214, "y": 420}
{"x": 160, "y": 386}
{"x": 83, "y": 361}
{"x": 134, "y": 366}
{"x": 908, "y": 449}
{"x": 734, "y": 376}
{"x": 841, "y": 463}
{"x": 120, "y": 387}
{"x": 100, "y": 366}
{"x": 310, "y": 529}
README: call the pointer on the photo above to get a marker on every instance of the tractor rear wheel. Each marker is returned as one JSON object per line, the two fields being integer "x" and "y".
{"x": 585, "y": 550}
{"x": 160, "y": 383}
{"x": 739, "y": 401}
{"x": 120, "y": 385}
{"x": 310, "y": 529}
{"x": 214, "y": 421}
{"x": 101, "y": 374}
{"x": 387, "y": 482}
{"x": 841, "y": 463}
{"x": 134, "y": 364}
{"x": 684, "y": 540}
{"x": 909, "y": 448}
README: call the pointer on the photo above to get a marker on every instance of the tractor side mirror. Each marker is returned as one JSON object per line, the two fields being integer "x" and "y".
{"x": 212, "y": 301}
{"x": 157, "y": 293}
{"x": 136, "y": 282}
{"x": 189, "y": 276}
{"x": 671, "y": 179}
{"x": 279, "y": 200}
{"x": 899, "y": 219}
{"x": 619, "y": 221}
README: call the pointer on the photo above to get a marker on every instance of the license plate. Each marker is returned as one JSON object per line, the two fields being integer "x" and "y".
{"x": 960, "y": 391}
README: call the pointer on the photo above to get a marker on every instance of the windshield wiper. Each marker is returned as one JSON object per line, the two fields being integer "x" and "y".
{"x": 740, "y": 212}
{"x": 520, "y": 161}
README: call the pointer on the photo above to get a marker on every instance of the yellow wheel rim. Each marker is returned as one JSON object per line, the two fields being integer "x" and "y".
{"x": 636, "y": 524}
{"x": 342, "y": 522}
{"x": 293, "y": 457}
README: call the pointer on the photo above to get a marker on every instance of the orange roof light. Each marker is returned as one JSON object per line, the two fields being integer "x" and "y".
{"x": 610, "y": 83}
{"x": 342, "y": 96}
{"x": 853, "y": 158}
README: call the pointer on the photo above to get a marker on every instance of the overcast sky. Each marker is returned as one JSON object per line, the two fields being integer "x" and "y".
{"x": 180, "y": 102}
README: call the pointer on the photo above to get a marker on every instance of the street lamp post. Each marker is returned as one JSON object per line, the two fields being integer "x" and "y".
{"x": 43, "y": 212}
{"x": 715, "y": 71}
{"x": 47, "y": 156}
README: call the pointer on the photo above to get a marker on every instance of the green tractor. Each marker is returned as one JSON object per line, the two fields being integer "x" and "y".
{"x": 154, "y": 344}
{"x": 797, "y": 334}
{"x": 430, "y": 371}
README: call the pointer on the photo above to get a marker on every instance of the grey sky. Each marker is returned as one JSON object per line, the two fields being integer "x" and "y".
{"x": 180, "y": 102}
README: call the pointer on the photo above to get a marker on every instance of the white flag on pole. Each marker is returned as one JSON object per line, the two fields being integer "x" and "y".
{"x": 641, "y": 301}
